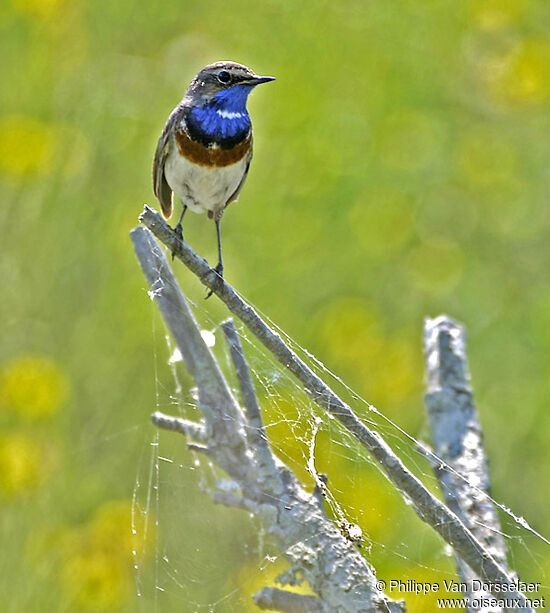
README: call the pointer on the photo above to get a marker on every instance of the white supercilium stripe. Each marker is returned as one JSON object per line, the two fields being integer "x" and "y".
{"x": 229, "y": 114}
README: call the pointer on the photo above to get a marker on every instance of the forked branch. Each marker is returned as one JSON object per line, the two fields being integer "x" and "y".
{"x": 260, "y": 483}
{"x": 431, "y": 510}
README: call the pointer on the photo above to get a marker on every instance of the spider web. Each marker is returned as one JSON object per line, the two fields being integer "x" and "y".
{"x": 199, "y": 556}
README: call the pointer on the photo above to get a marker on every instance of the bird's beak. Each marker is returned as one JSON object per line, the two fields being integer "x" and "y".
{"x": 256, "y": 80}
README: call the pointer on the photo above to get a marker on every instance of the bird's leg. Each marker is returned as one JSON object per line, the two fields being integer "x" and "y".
{"x": 219, "y": 266}
{"x": 179, "y": 229}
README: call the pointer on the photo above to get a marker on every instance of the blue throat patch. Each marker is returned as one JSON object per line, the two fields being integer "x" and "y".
{"x": 224, "y": 119}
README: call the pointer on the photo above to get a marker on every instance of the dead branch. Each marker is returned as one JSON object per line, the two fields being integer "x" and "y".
{"x": 426, "y": 505}
{"x": 317, "y": 551}
{"x": 458, "y": 441}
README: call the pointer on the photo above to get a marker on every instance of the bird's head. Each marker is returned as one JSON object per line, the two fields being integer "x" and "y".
{"x": 225, "y": 85}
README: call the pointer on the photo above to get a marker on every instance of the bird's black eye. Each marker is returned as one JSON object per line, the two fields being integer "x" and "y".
{"x": 224, "y": 77}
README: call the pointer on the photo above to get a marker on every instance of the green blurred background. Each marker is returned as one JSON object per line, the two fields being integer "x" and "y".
{"x": 401, "y": 170}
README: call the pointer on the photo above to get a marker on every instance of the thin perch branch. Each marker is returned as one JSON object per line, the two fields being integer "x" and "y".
{"x": 255, "y": 430}
{"x": 458, "y": 440}
{"x": 426, "y": 505}
{"x": 250, "y": 400}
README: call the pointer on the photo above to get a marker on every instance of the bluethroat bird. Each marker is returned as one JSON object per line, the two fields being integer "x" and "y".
{"x": 204, "y": 152}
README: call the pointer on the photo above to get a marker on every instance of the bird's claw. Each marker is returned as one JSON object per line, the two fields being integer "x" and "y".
{"x": 178, "y": 231}
{"x": 217, "y": 280}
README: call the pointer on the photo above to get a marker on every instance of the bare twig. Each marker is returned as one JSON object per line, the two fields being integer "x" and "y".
{"x": 250, "y": 400}
{"x": 426, "y": 505}
{"x": 199, "y": 448}
{"x": 458, "y": 441}
{"x": 191, "y": 429}
{"x": 255, "y": 432}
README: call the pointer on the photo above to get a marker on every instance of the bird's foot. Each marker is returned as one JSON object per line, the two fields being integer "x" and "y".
{"x": 178, "y": 230}
{"x": 217, "y": 281}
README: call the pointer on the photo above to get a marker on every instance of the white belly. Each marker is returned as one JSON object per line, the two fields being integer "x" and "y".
{"x": 202, "y": 188}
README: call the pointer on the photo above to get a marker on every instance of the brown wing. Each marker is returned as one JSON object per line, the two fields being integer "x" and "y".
{"x": 160, "y": 186}
{"x": 236, "y": 193}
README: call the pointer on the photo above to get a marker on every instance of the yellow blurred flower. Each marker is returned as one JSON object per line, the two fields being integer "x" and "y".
{"x": 354, "y": 339}
{"x": 497, "y": 14}
{"x": 351, "y": 331}
{"x": 436, "y": 213}
{"x": 120, "y": 531}
{"x": 27, "y": 145}
{"x": 424, "y": 603}
{"x": 524, "y": 75}
{"x": 32, "y": 387}
{"x": 95, "y": 581}
{"x": 77, "y": 150}
{"x": 382, "y": 221}
{"x": 410, "y": 141}
{"x": 514, "y": 212}
{"x": 486, "y": 159}
{"x": 436, "y": 266}
{"x": 364, "y": 497}
{"x": 289, "y": 429}
{"x": 94, "y": 560}
{"x": 253, "y": 580}
{"x": 21, "y": 464}
{"x": 38, "y": 8}
{"x": 399, "y": 372}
